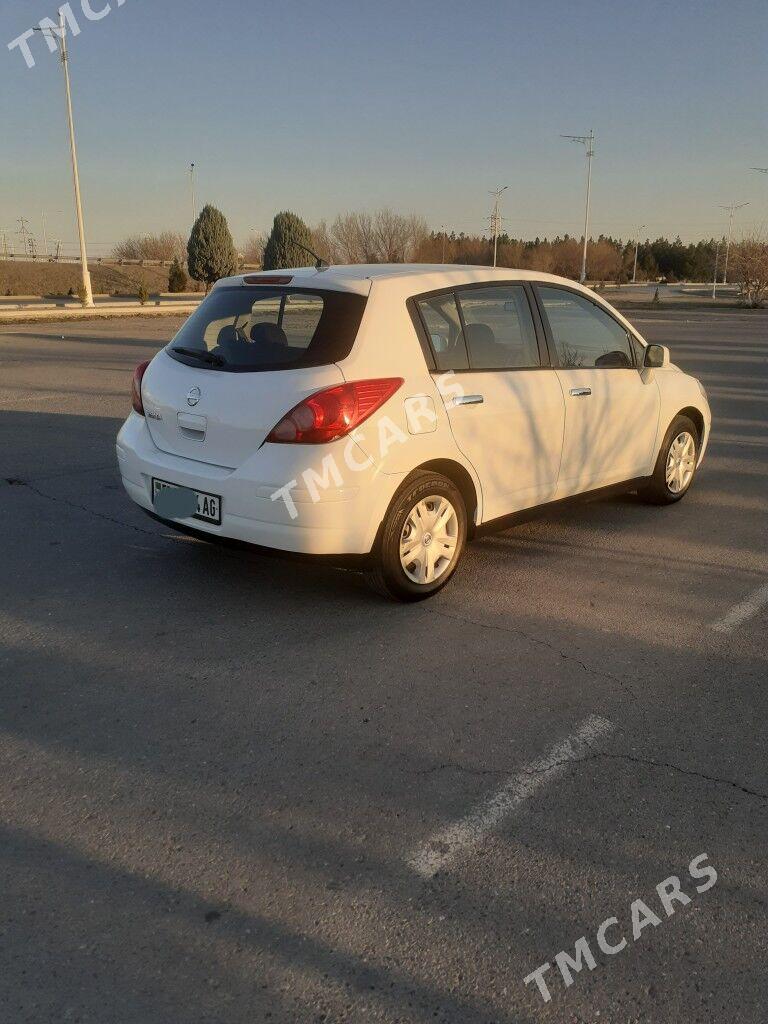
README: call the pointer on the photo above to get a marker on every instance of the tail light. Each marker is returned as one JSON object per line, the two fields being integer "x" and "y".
{"x": 334, "y": 412}
{"x": 136, "y": 401}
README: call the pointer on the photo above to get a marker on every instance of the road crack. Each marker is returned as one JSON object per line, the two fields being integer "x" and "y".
{"x": 649, "y": 762}
{"x": 564, "y": 655}
{"x": 16, "y": 482}
{"x": 543, "y": 769}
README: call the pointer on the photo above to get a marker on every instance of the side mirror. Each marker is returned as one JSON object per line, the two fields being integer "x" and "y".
{"x": 656, "y": 356}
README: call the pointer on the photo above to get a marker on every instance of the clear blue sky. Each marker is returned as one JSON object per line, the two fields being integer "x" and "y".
{"x": 423, "y": 106}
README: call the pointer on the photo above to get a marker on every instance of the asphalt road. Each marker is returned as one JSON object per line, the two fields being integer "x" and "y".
{"x": 237, "y": 790}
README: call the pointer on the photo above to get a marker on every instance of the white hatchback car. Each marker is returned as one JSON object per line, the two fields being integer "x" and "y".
{"x": 384, "y": 415}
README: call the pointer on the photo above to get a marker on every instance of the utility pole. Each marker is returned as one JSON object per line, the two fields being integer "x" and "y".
{"x": 637, "y": 244}
{"x": 496, "y": 219}
{"x": 731, "y": 210}
{"x": 192, "y": 188}
{"x": 588, "y": 141}
{"x": 45, "y": 236}
{"x": 714, "y": 280}
{"x": 60, "y": 35}
{"x": 442, "y": 232}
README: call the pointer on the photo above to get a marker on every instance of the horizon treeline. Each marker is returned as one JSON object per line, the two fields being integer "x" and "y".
{"x": 608, "y": 259}
{"x": 385, "y": 236}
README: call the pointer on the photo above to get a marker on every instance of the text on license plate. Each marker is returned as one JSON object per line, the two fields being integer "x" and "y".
{"x": 208, "y": 505}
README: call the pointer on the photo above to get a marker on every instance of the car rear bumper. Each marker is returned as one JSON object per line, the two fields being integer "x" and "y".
{"x": 335, "y": 511}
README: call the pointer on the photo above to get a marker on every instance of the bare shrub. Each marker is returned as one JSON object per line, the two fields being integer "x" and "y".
{"x": 749, "y": 260}
{"x": 165, "y": 246}
{"x": 253, "y": 250}
{"x": 381, "y": 237}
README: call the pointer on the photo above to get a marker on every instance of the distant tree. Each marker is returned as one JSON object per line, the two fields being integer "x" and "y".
{"x": 177, "y": 279}
{"x": 210, "y": 250}
{"x": 397, "y": 237}
{"x": 380, "y": 237}
{"x": 283, "y": 248}
{"x": 749, "y": 260}
{"x": 165, "y": 246}
{"x": 253, "y": 250}
{"x": 142, "y": 294}
{"x": 324, "y": 244}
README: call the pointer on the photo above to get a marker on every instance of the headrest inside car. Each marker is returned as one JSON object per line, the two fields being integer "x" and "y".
{"x": 270, "y": 334}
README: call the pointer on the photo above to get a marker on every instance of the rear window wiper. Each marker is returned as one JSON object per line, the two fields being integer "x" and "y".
{"x": 203, "y": 355}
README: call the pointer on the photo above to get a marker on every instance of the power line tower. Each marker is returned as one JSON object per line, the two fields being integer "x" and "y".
{"x": 27, "y": 238}
{"x": 4, "y": 242}
{"x": 496, "y": 219}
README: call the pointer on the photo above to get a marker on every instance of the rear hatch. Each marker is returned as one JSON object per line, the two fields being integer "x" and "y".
{"x": 248, "y": 355}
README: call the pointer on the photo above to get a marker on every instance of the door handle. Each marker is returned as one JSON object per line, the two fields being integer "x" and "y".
{"x": 581, "y": 392}
{"x": 469, "y": 400}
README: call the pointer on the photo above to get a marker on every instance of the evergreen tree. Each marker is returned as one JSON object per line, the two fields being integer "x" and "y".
{"x": 281, "y": 250}
{"x": 177, "y": 279}
{"x": 210, "y": 250}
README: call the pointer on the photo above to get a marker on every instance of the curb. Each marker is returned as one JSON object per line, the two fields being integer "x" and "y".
{"x": 99, "y": 313}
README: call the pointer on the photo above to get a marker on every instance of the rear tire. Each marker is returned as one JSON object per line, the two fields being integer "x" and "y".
{"x": 421, "y": 541}
{"x": 676, "y": 465}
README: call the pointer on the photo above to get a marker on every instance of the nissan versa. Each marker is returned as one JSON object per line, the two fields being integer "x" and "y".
{"x": 390, "y": 412}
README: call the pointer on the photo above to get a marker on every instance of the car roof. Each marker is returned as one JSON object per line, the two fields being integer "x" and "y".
{"x": 397, "y": 282}
{"x": 412, "y": 277}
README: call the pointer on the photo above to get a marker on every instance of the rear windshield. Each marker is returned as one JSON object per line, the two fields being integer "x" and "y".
{"x": 248, "y": 328}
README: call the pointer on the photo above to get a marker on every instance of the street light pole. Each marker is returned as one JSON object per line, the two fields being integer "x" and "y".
{"x": 714, "y": 280}
{"x": 87, "y": 290}
{"x": 637, "y": 244}
{"x": 192, "y": 187}
{"x": 588, "y": 141}
{"x": 60, "y": 35}
{"x": 731, "y": 210}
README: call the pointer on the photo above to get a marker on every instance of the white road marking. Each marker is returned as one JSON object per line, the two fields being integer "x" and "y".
{"x": 742, "y": 611}
{"x": 458, "y": 838}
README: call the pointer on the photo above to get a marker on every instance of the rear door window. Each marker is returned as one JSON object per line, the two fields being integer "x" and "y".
{"x": 499, "y": 328}
{"x": 263, "y": 328}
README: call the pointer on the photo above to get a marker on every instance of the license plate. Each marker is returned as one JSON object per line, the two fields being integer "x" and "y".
{"x": 208, "y": 505}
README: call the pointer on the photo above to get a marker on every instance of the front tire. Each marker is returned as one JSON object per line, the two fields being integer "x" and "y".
{"x": 676, "y": 465}
{"x": 421, "y": 540}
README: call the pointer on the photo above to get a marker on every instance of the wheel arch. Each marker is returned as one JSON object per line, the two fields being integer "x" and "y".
{"x": 462, "y": 479}
{"x": 459, "y": 477}
{"x": 696, "y": 417}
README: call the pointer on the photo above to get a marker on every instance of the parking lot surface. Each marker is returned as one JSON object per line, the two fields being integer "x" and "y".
{"x": 236, "y": 789}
